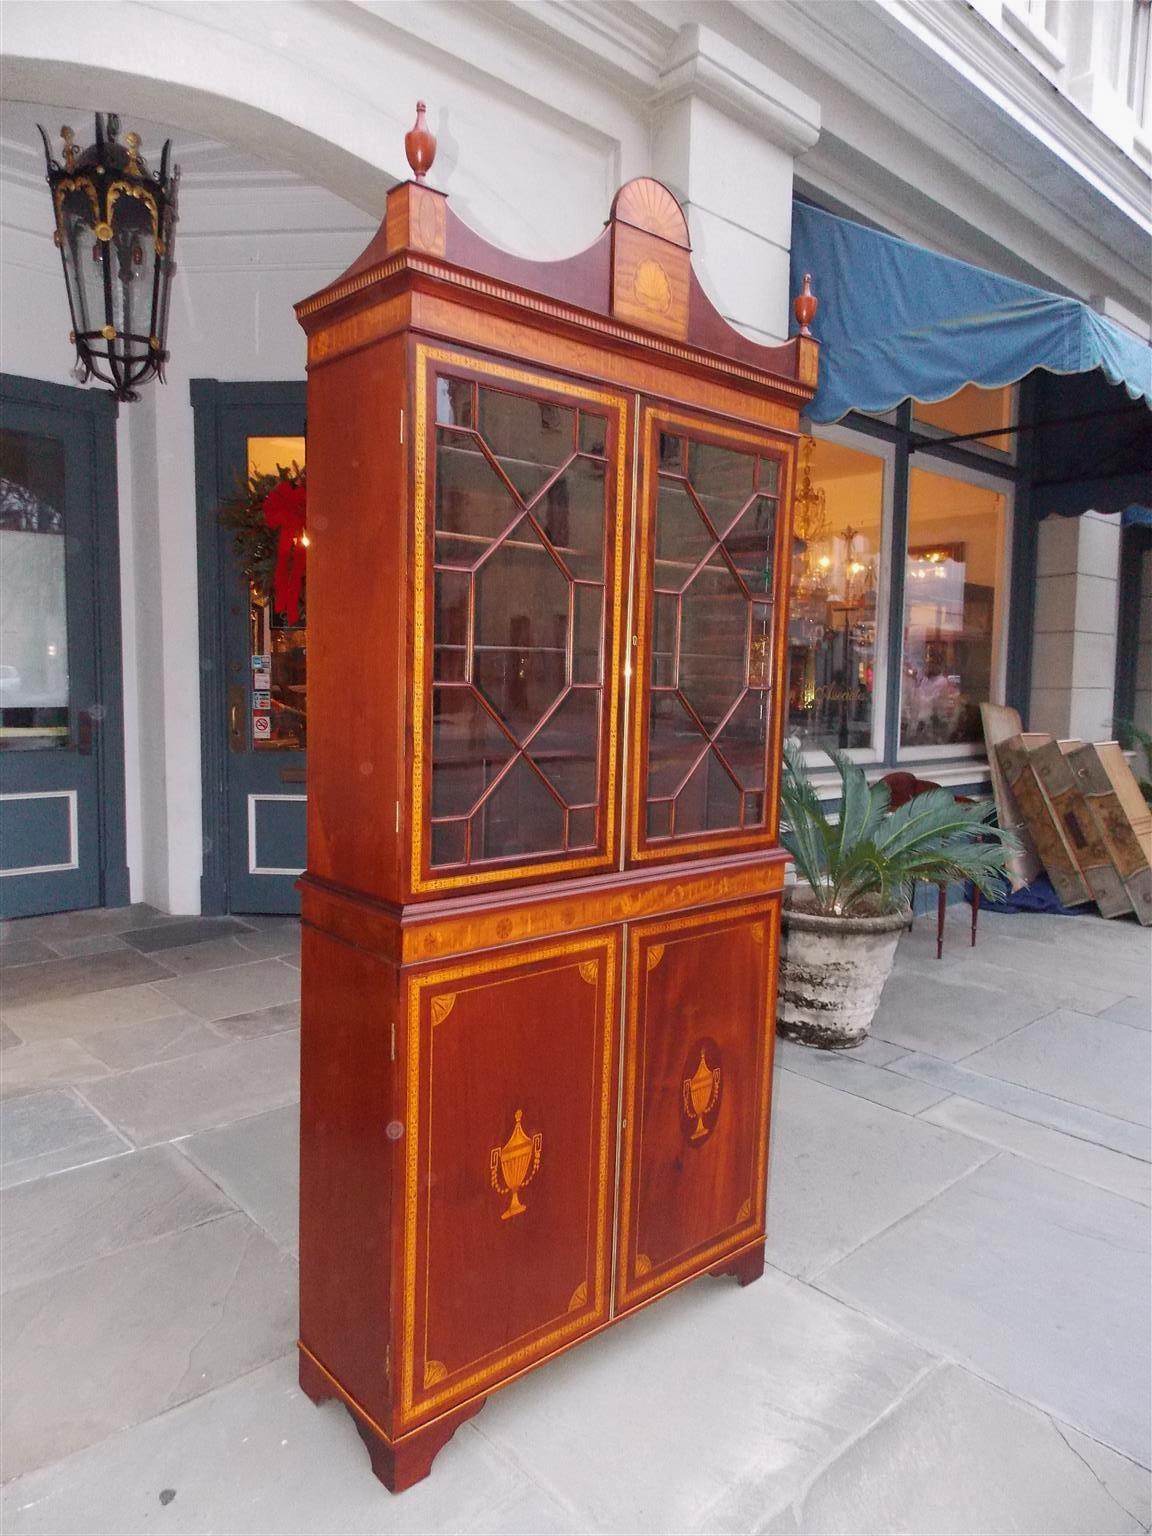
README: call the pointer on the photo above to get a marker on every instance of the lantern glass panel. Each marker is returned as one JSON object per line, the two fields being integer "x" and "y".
{"x": 82, "y": 264}
{"x": 132, "y": 251}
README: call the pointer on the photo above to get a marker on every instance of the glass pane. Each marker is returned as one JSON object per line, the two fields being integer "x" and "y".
{"x": 971, "y": 409}
{"x": 760, "y": 647}
{"x": 454, "y": 402}
{"x": 521, "y": 816}
{"x": 521, "y": 631}
{"x": 450, "y": 657}
{"x": 708, "y": 802}
{"x": 588, "y": 631}
{"x": 571, "y": 513}
{"x": 682, "y": 539}
{"x": 520, "y": 655}
{"x": 671, "y": 451}
{"x": 768, "y": 477}
{"x": 713, "y": 668}
{"x": 750, "y": 543}
{"x": 582, "y": 827}
{"x": 530, "y": 438}
{"x": 743, "y": 741}
{"x": 675, "y": 741}
{"x": 701, "y": 666}
{"x": 472, "y": 502}
{"x": 660, "y": 818}
{"x": 449, "y": 841}
{"x": 279, "y": 671}
{"x": 566, "y": 748}
{"x": 665, "y": 614}
{"x": 722, "y": 479}
{"x": 955, "y": 533}
{"x": 593, "y": 433}
{"x": 468, "y": 748}
{"x": 836, "y": 555}
{"x": 33, "y": 605}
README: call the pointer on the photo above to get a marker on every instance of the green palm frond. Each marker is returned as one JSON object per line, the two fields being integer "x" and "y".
{"x": 861, "y": 855}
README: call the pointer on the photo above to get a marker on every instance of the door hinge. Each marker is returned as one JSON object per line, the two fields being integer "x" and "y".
{"x": 397, "y": 818}
{"x": 393, "y": 1039}
{"x": 388, "y": 1361}
{"x": 401, "y": 426}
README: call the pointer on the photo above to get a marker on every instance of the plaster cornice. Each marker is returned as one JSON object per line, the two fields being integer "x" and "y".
{"x": 969, "y": 43}
{"x": 704, "y": 65}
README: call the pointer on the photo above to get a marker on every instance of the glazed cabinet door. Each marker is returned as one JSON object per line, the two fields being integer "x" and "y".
{"x": 510, "y": 1159}
{"x": 520, "y": 532}
{"x": 697, "y": 1077}
{"x": 711, "y": 572}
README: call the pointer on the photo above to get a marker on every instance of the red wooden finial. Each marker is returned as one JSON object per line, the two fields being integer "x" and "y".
{"x": 420, "y": 145}
{"x": 805, "y": 305}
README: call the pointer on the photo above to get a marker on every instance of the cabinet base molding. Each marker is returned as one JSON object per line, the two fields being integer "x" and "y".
{"x": 745, "y": 1267}
{"x": 399, "y": 1464}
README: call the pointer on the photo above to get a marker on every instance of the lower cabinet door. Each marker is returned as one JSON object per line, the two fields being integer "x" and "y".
{"x": 509, "y": 1167}
{"x": 698, "y": 1043}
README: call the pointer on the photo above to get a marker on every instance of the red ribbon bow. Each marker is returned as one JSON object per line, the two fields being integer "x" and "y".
{"x": 284, "y": 509}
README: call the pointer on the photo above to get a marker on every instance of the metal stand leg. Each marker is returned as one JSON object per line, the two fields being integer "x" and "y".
{"x": 941, "y": 903}
{"x": 975, "y": 913}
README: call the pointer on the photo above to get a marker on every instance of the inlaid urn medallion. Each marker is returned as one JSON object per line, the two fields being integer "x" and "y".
{"x": 514, "y": 1165}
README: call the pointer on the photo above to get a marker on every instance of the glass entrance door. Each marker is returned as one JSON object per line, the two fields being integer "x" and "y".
{"x": 61, "y": 786}
{"x": 266, "y": 664}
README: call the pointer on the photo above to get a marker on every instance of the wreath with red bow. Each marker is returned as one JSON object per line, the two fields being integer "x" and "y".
{"x": 269, "y": 519}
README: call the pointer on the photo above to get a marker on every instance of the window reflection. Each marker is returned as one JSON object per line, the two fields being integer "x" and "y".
{"x": 836, "y": 553}
{"x": 954, "y": 541}
{"x": 970, "y": 409}
{"x": 33, "y": 607}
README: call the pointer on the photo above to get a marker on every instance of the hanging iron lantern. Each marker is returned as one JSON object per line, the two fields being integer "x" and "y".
{"x": 114, "y": 225}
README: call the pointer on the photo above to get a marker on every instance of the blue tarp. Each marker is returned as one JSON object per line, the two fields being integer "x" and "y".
{"x": 897, "y": 320}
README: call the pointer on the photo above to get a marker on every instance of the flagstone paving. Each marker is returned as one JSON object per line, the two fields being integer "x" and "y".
{"x": 951, "y": 1335}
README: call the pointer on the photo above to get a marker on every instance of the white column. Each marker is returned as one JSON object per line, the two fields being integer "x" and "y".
{"x": 726, "y": 133}
{"x": 1074, "y": 640}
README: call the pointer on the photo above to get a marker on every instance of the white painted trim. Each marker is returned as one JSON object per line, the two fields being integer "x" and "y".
{"x": 951, "y": 773}
{"x": 73, "y": 831}
{"x": 262, "y": 869}
{"x": 703, "y": 64}
{"x": 1034, "y": 35}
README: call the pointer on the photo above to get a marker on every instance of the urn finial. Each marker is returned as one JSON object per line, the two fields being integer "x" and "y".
{"x": 420, "y": 145}
{"x": 805, "y": 305}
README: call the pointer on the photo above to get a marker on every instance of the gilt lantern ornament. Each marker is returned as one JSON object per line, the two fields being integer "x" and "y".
{"x": 114, "y": 225}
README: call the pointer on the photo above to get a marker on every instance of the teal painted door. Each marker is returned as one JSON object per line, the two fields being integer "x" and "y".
{"x": 261, "y": 712}
{"x": 61, "y": 741}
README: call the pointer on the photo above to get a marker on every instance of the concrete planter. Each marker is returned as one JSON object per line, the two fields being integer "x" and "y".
{"x": 832, "y": 972}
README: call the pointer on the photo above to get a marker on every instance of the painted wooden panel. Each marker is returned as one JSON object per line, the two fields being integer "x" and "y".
{"x": 697, "y": 1074}
{"x": 38, "y": 832}
{"x": 511, "y": 1155}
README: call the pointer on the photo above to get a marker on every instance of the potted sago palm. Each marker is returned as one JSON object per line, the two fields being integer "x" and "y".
{"x": 857, "y": 864}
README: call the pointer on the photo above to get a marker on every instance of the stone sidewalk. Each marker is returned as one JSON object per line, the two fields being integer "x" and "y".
{"x": 953, "y": 1335}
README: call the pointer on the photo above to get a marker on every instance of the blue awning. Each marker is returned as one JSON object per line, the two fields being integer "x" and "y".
{"x": 898, "y": 321}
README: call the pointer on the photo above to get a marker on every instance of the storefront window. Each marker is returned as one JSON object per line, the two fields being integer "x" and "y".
{"x": 970, "y": 410}
{"x": 836, "y": 580}
{"x": 955, "y": 539}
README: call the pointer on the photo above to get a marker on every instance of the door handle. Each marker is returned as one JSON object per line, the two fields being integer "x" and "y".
{"x": 85, "y": 731}
{"x": 236, "y": 702}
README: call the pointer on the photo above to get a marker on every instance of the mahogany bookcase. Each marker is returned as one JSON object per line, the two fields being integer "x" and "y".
{"x": 550, "y": 545}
